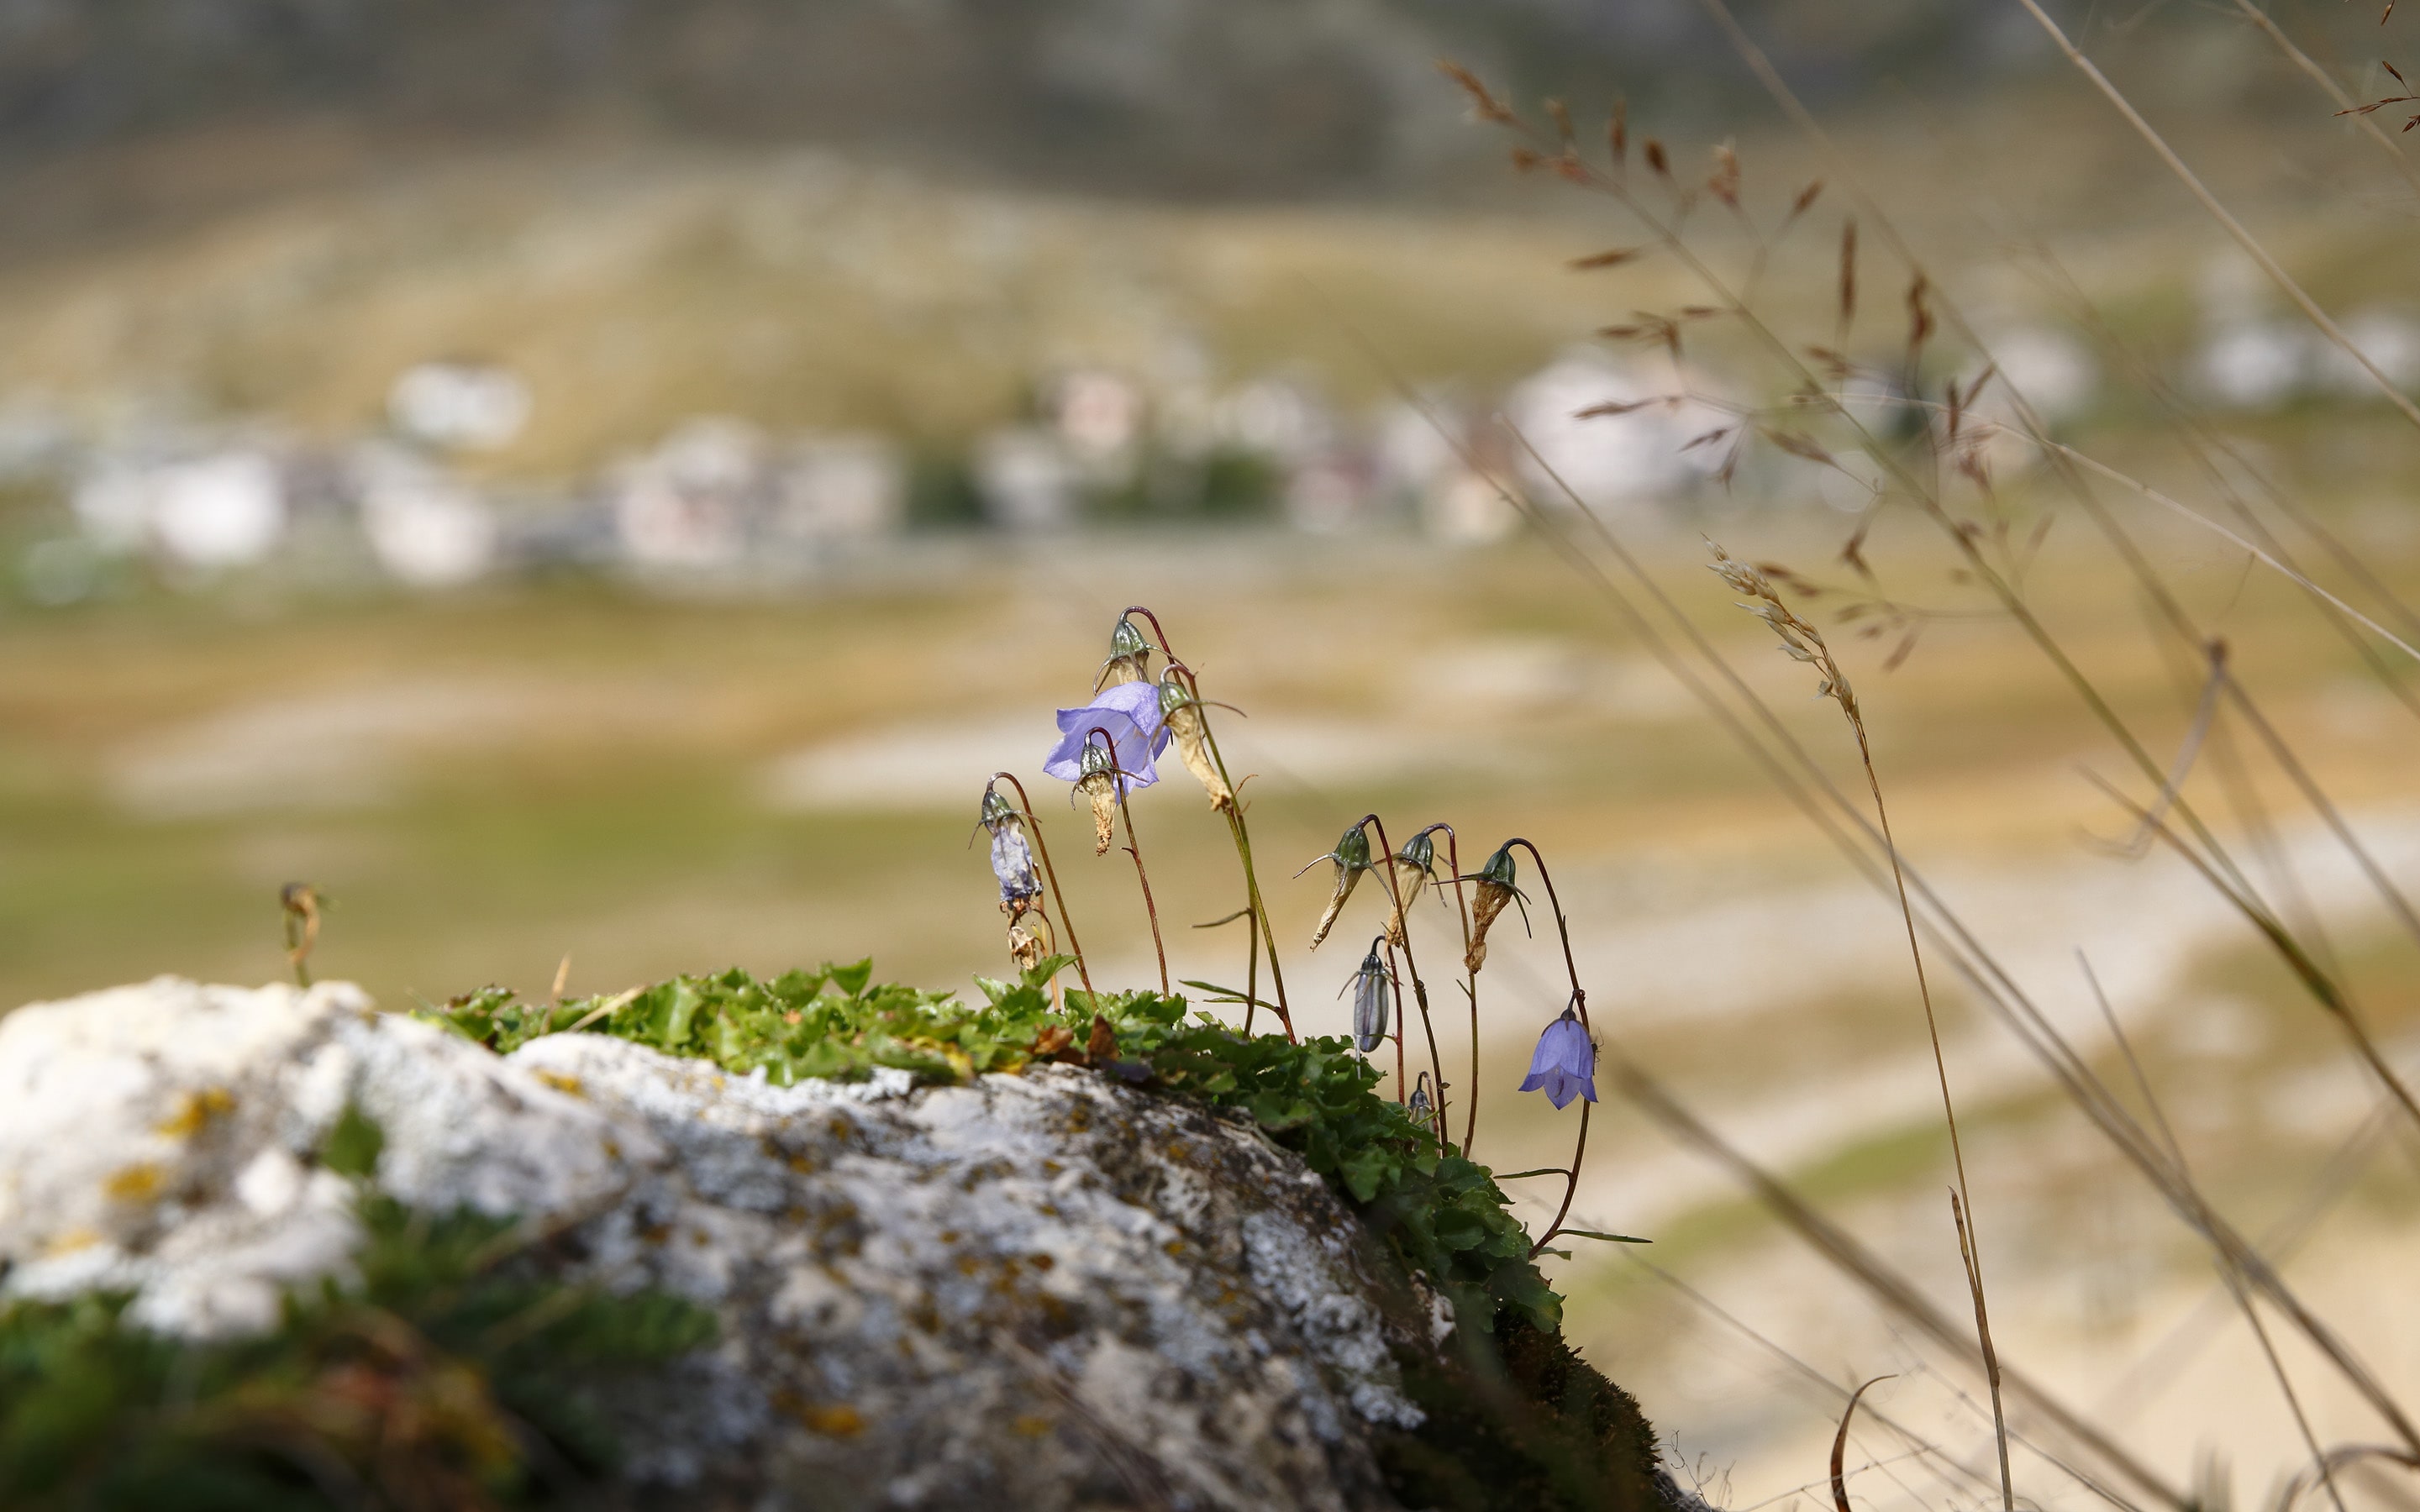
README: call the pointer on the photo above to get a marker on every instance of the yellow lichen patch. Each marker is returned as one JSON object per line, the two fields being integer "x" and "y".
{"x": 1033, "y": 1426}
{"x": 196, "y": 1110}
{"x": 139, "y": 1182}
{"x": 836, "y": 1420}
{"x": 567, "y": 1086}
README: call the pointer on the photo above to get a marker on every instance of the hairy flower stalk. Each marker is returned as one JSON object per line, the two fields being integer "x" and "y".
{"x": 1496, "y": 888}
{"x": 1352, "y": 858}
{"x": 1372, "y": 1000}
{"x": 1181, "y": 712}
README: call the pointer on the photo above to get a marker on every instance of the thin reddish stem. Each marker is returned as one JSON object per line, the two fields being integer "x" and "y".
{"x": 1066, "y": 922}
{"x": 1133, "y": 848}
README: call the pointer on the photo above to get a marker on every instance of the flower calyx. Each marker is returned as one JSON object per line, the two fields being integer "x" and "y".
{"x": 1129, "y": 659}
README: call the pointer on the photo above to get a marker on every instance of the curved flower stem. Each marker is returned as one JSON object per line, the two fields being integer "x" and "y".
{"x": 1133, "y": 848}
{"x": 1469, "y": 989}
{"x": 1251, "y": 971}
{"x": 1235, "y": 826}
{"x": 1570, "y": 1187}
{"x": 1397, "y": 977}
{"x": 1066, "y": 921}
{"x": 1419, "y": 987}
{"x": 1579, "y": 1001}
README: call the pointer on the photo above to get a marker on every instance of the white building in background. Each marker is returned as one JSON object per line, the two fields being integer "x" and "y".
{"x": 2389, "y": 337}
{"x": 839, "y": 489}
{"x": 1619, "y": 462}
{"x": 689, "y": 505}
{"x": 1417, "y": 457}
{"x": 472, "y": 406}
{"x": 426, "y": 527}
{"x": 1027, "y": 480}
{"x": 217, "y": 510}
{"x": 1098, "y": 414}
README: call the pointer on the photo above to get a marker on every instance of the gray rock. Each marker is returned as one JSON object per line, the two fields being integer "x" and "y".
{"x": 1044, "y": 1290}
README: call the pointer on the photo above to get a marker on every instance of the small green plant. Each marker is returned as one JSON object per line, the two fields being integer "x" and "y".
{"x": 444, "y": 1375}
{"x": 1442, "y": 1215}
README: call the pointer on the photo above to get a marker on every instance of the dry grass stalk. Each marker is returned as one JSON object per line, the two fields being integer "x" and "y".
{"x": 1805, "y": 643}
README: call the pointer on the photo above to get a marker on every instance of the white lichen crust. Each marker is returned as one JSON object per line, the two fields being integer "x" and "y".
{"x": 1046, "y": 1290}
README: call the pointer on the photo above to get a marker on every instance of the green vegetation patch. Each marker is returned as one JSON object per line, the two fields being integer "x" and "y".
{"x": 445, "y": 1373}
{"x": 1442, "y": 1215}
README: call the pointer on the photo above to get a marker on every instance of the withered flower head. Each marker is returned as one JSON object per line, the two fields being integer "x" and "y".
{"x": 1370, "y": 1001}
{"x": 1012, "y": 859}
{"x": 1180, "y": 714}
{"x": 1129, "y": 657}
{"x": 1098, "y": 783}
{"x": 1352, "y": 858}
{"x": 1415, "y": 866}
{"x": 1495, "y": 888}
{"x": 1029, "y": 941}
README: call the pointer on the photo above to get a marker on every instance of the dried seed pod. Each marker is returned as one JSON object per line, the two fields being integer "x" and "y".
{"x": 1025, "y": 945}
{"x": 1371, "y": 997}
{"x": 1182, "y": 714}
{"x": 1496, "y": 889}
{"x": 1352, "y": 858}
{"x": 1415, "y": 866}
{"x": 1099, "y": 784}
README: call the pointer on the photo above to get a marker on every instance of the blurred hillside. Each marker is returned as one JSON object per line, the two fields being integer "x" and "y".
{"x": 1191, "y": 97}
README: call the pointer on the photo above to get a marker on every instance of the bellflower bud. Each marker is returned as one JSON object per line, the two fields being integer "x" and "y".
{"x": 1419, "y": 1107}
{"x": 1182, "y": 715}
{"x": 1370, "y": 999}
{"x": 1564, "y": 1064}
{"x": 1352, "y": 858}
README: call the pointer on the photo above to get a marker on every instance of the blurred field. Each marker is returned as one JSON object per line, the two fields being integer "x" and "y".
{"x": 651, "y": 785}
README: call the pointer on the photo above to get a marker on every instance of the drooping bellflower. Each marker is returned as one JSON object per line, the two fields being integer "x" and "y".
{"x": 1352, "y": 858}
{"x": 1419, "y": 1106}
{"x": 1496, "y": 889}
{"x": 1564, "y": 1064}
{"x": 1128, "y": 714}
{"x": 1371, "y": 997}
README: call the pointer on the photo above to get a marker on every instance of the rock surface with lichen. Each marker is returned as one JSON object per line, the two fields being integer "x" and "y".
{"x": 1042, "y": 1291}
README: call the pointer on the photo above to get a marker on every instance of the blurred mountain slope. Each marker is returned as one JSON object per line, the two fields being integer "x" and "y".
{"x": 1183, "y": 97}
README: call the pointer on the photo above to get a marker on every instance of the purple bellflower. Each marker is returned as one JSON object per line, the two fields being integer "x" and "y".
{"x": 1129, "y": 713}
{"x": 1564, "y": 1064}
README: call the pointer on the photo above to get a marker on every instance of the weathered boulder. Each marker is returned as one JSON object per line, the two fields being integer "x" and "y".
{"x": 1045, "y": 1290}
